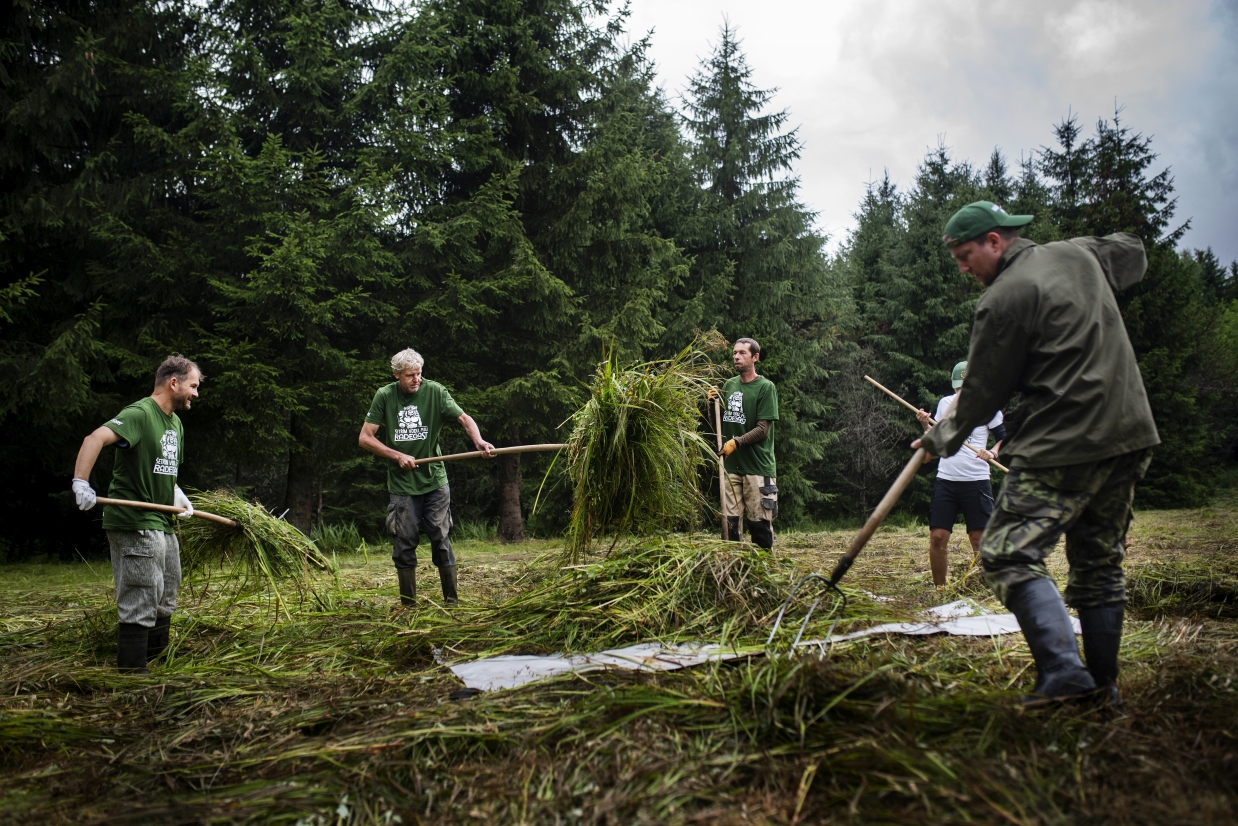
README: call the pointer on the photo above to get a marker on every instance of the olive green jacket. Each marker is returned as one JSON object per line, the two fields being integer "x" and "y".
{"x": 1048, "y": 326}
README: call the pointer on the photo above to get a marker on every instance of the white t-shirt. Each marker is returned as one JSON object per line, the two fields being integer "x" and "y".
{"x": 965, "y": 466}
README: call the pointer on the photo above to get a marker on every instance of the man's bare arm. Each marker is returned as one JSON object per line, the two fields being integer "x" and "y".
{"x": 89, "y": 452}
{"x": 470, "y": 427}
{"x": 369, "y": 441}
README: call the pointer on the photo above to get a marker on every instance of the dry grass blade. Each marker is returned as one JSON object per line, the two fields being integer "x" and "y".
{"x": 635, "y": 456}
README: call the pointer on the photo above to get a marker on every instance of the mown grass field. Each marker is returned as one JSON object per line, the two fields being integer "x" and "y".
{"x": 343, "y": 715}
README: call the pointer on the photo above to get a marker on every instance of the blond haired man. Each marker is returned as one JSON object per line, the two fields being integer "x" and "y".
{"x": 410, "y": 413}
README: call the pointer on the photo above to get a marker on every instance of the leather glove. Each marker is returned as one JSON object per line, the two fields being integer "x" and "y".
{"x": 712, "y": 394}
{"x": 84, "y": 493}
{"x": 729, "y": 447}
{"x": 182, "y": 501}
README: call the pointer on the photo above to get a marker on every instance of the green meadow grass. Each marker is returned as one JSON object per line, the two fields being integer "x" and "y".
{"x": 338, "y": 709}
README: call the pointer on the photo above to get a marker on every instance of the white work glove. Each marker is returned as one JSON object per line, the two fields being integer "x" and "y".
{"x": 182, "y": 501}
{"x": 85, "y": 494}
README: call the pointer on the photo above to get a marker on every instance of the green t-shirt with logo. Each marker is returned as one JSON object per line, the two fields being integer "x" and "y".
{"x": 148, "y": 455}
{"x": 411, "y": 424}
{"x": 743, "y": 405}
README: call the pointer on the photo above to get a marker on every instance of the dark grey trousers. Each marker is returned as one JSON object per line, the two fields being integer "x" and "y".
{"x": 409, "y": 516}
{"x": 147, "y": 569}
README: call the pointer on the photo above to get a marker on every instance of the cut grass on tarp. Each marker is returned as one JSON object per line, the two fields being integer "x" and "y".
{"x": 260, "y": 550}
{"x": 634, "y": 457}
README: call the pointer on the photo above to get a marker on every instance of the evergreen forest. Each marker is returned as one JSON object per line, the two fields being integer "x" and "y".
{"x": 290, "y": 192}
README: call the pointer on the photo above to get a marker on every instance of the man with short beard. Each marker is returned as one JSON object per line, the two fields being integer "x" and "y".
{"x": 146, "y": 559}
{"x": 1048, "y": 326}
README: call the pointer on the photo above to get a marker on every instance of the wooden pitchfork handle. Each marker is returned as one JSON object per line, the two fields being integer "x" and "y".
{"x": 726, "y": 534}
{"x": 150, "y": 506}
{"x": 908, "y": 405}
{"x": 883, "y": 510}
{"x": 498, "y": 451}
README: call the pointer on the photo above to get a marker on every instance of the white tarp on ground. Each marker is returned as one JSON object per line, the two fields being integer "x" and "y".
{"x": 963, "y": 618}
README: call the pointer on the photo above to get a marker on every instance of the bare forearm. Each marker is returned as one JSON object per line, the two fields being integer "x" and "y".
{"x": 373, "y": 445}
{"x": 89, "y": 452}
{"x": 471, "y": 428}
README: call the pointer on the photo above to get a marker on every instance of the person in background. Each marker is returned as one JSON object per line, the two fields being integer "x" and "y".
{"x": 410, "y": 412}
{"x": 962, "y": 482}
{"x": 751, "y": 409}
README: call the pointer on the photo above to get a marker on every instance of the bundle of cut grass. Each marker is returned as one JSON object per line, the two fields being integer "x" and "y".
{"x": 665, "y": 588}
{"x": 260, "y": 549}
{"x": 635, "y": 456}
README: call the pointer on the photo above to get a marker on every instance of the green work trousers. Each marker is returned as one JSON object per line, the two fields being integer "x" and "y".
{"x": 1090, "y": 503}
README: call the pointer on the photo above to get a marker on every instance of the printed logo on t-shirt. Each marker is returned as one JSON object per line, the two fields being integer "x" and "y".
{"x": 409, "y": 427}
{"x": 166, "y": 464}
{"x": 117, "y": 421}
{"x": 735, "y": 409}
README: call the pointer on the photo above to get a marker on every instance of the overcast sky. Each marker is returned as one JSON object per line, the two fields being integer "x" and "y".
{"x": 873, "y": 84}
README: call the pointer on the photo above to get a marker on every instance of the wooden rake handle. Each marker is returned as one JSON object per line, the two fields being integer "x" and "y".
{"x": 498, "y": 451}
{"x": 721, "y": 464}
{"x": 882, "y": 511}
{"x": 908, "y": 405}
{"x": 150, "y": 506}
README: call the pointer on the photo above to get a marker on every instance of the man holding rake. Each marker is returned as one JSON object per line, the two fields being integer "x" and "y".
{"x": 1048, "y": 326}
{"x": 146, "y": 557}
{"x": 411, "y": 412}
{"x": 751, "y": 482}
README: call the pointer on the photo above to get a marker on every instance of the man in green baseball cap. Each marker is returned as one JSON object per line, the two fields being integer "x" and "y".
{"x": 1049, "y": 328}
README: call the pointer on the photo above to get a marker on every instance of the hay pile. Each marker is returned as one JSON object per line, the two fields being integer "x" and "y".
{"x": 262, "y": 550}
{"x": 635, "y": 456}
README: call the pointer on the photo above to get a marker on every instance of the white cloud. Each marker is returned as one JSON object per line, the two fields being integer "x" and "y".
{"x": 874, "y": 83}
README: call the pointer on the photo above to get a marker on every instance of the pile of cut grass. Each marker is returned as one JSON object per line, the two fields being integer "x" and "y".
{"x": 635, "y": 456}
{"x": 261, "y": 551}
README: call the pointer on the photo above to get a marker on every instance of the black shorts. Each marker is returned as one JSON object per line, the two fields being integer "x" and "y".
{"x": 974, "y": 499}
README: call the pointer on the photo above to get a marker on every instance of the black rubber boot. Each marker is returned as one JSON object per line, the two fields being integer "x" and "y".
{"x": 157, "y": 639}
{"x": 733, "y": 532}
{"x": 1051, "y": 637}
{"x": 131, "y": 640}
{"x": 1102, "y": 637}
{"x": 763, "y": 534}
{"x": 408, "y": 585}
{"x": 447, "y": 576}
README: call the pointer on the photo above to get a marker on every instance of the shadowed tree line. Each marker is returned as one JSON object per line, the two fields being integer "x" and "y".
{"x": 290, "y": 192}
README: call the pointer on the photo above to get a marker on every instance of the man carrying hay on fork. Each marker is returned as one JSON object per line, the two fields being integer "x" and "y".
{"x": 1048, "y": 326}
{"x": 146, "y": 556}
{"x": 411, "y": 412}
{"x": 751, "y": 485}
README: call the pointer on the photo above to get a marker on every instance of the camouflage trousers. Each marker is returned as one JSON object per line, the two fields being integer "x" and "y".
{"x": 1090, "y": 503}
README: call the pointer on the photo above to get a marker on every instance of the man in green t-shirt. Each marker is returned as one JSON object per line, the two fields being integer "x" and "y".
{"x": 750, "y": 410}
{"x": 146, "y": 557}
{"x": 411, "y": 412}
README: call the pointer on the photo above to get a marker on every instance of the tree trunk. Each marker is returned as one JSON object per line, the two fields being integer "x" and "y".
{"x": 299, "y": 493}
{"x": 511, "y": 523}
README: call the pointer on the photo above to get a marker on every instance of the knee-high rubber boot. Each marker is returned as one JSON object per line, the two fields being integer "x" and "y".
{"x": 447, "y": 576}
{"x": 157, "y": 640}
{"x": 131, "y": 640}
{"x": 1102, "y": 637}
{"x": 763, "y": 534}
{"x": 1051, "y": 637}
{"x": 408, "y": 585}
{"x": 733, "y": 531}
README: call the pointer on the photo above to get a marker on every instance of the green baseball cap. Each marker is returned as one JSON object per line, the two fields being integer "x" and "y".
{"x": 960, "y": 373}
{"x": 976, "y": 219}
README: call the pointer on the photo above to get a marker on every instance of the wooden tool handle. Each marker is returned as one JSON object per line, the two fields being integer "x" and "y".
{"x": 721, "y": 465}
{"x": 879, "y": 514}
{"x": 908, "y": 405}
{"x": 498, "y": 451}
{"x": 150, "y": 506}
